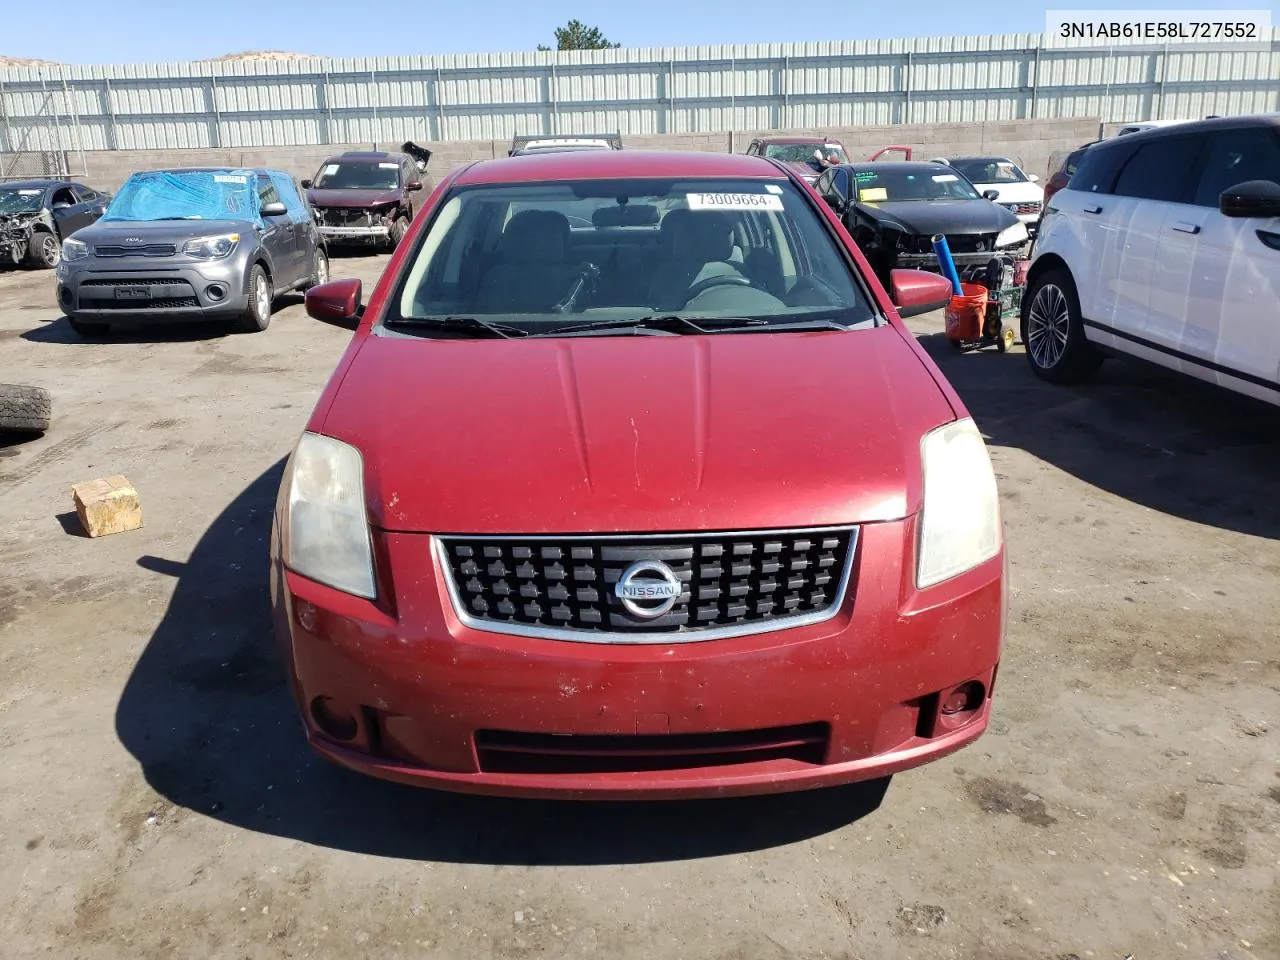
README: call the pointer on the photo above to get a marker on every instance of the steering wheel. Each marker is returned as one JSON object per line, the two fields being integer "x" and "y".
{"x": 720, "y": 280}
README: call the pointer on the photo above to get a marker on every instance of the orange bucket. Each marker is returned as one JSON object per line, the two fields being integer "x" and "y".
{"x": 967, "y": 312}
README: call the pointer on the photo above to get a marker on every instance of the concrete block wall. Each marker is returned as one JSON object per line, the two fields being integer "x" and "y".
{"x": 1030, "y": 142}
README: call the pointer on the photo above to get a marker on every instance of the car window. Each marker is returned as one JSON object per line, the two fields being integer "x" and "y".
{"x": 62, "y": 197}
{"x": 709, "y": 248}
{"x": 19, "y": 199}
{"x": 840, "y": 182}
{"x": 85, "y": 194}
{"x": 288, "y": 193}
{"x": 890, "y": 182}
{"x": 1160, "y": 170}
{"x": 1098, "y": 168}
{"x": 793, "y": 152}
{"x": 267, "y": 192}
{"x": 824, "y": 184}
{"x": 340, "y": 175}
{"x": 989, "y": 170}
{"x": 1073, "y": 161}
{"x": 753, "y": 148}
{"x": 1235, "y": 156}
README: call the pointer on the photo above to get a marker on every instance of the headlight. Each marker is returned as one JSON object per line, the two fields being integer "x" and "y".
{"x": 960, "y": 523}
{"x": 1011, "y": 236}
{"x": 328, "y": 527}
{"x": 73, "y": 249}
{"x": 211, "y": 248}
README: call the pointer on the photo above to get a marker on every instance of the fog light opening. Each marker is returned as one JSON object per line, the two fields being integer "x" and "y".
{"x": 215, "y": 292}
{"x": 963, "y": 699}
{"x": 333, "y": 719}
{"x": 64, "y": 295}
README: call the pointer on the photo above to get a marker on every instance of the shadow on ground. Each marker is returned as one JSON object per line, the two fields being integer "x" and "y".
{"x": 207, "y": 714}
{"x": 1166, "y": 442}
{"x": 59, "y": 331}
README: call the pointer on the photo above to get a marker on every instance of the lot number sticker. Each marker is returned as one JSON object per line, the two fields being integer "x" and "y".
{"x": 945, "y": 178}
{"x": 734, "y": 201}
{"x": 873, "y": 194}
{"x": 229, "y": 178}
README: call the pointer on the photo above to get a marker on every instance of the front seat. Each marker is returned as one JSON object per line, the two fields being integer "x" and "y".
{"x": 529, "y": 273}
{"x": 695, "y": 244}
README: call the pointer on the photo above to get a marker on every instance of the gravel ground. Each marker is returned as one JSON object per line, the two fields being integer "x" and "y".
{"x": 157, "y": 800}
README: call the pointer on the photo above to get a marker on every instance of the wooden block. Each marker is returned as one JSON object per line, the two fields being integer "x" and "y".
{"x": 107, "y": 506}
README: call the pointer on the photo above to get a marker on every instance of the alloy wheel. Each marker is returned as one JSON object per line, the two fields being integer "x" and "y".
{"x": 1048, "y": 323}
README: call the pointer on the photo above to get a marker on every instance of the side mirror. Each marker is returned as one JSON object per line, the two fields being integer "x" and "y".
{"x": 337, "y": 301}
{"x": 918, "y": 291}
{"x": 1033, "y": 177}
{"x": 1253, "y": 198}
{"x": 306, "y": 184}
{"x": 276, "y": 209}
{"x": 991, "y": 194}
{"x": 413, "y": 185}
{"x": 835, "y": 202}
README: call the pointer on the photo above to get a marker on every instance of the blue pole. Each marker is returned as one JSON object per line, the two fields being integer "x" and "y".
{"x": 943, "y": 253}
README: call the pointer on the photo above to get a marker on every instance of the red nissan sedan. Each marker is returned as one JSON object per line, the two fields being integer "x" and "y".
{"x": 632, "y": 483}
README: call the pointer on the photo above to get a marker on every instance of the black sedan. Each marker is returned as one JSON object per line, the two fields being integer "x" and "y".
{"x": 893, "y": 210}
{"x": 37, "y": 215}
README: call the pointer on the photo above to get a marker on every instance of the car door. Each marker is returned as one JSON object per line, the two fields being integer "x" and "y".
{"x": 279, "y": 235}
{"x": 93, "y": 202}
{"x": 69, "y": 214}
{"x": 305, "y": 236}
{"x": 1221, "y": 275}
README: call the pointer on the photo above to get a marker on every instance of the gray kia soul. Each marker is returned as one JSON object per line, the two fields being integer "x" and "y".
{"x": 189, "y": 245}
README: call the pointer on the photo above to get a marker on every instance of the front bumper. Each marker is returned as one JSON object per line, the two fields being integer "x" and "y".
{"x": 434, "y": 703}
{"x": 372, "y": 234}
{"x": 160, "y": 294}
{"x": 929, "y": 261}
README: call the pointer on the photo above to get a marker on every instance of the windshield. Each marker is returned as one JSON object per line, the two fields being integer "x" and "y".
{"x": 934, "y": 182}
{"x": 543, "y": 255}
{"x": 989, "y": 170}
{"x": 358, "y": 176}
{"x": 803, "y": 152}
{"x": 187, "y": 195}
{"x": 20, "y": 199}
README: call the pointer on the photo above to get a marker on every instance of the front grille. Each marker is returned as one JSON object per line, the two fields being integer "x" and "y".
{"x": 134, "y": 282}
{"x": 971, "y": 242}
{"x": 149, "y": 250}
{"x": 502, "y": 751}
{"x": 345, "y": 216}
{"x": 155, "y": 303}
{"x": 1031, "y": 206}
{"x": 729, "y": 583}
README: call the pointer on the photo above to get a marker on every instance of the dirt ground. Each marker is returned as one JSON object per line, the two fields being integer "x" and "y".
{"x": 157, "y": 799}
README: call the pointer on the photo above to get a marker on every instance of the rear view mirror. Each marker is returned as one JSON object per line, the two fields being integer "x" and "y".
{"x": 1253, "y": 198}
{"x": 306, "y": 184}
{"x": 991, "y": 194}
{"x": 276, "y": 209}
{"x": 413, "y": 185}
{"x": 337, "y": 301}
{"x": 918, "y": 291}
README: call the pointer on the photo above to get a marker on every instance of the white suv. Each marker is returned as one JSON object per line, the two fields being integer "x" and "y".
{"x": 1165, "y": 246}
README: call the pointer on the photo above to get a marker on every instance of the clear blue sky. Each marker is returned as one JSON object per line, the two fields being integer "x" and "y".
{"x": 78, "y": 31}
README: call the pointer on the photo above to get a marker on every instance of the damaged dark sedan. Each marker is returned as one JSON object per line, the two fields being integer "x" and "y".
{"x": 894, "y": 209}
{"x": 369, "y": 197}
{"x": 37, "y": 215}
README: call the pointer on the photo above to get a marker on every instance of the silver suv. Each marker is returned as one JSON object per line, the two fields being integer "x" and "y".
{"x": 192, "y": 244}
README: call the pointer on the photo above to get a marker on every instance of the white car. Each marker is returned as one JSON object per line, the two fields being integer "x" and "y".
{"x": 1018, "y": 192}
{"x": 1165, "y": 246}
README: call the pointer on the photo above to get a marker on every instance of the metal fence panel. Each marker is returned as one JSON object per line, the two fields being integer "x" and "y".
{"x": 635, "y": 91}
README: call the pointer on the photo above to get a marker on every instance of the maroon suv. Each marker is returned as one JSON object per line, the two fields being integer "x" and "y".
{"x": 369, "y": 197}
{"x": 808, "y": 156}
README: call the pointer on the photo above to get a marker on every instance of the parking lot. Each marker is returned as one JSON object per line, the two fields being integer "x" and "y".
{"x": 158, "y": 799}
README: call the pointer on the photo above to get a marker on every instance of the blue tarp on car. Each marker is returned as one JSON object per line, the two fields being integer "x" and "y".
{"x": 187, "y": 195}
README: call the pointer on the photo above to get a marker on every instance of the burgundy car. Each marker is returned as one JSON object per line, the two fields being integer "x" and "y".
{"x": 632, "y": 483}
{"x": 807, "y": 156}
{"x": 369, "y": 197}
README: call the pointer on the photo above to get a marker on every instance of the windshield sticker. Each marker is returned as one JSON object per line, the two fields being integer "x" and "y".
{"x": 862, "y": 176}
{"x": 388, "y": 166}
{"x": 873, "y": 194}
{"x": 329, "y": 170}
{"x": 229, "y": 178}
{"x": 945, "y": 178}
{"x": 734, "y": 201}
{"x": 773, "y": 188}
{"x": 30, "y": 193}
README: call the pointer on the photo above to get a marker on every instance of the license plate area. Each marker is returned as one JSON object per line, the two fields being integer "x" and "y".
{"x": 133, "y": 293}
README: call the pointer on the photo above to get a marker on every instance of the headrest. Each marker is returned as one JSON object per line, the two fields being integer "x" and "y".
{"x": 698, "y": 235}
{"x": 535, "y": 236}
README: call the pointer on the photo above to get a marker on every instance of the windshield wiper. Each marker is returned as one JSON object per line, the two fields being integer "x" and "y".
{"x": 675, "y": 323}
{"x": 453, "y": 324}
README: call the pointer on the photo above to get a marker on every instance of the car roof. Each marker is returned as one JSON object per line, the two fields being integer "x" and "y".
{"x": 917, "y": 166}
{"x": 617, "y": 164}
{"x": 366, "y": 156}
{"x": 798, "y": 140}
{"x": 991, "y": 159}
{"x": 1183, "y": 128}
{"x": 34, "y": 184}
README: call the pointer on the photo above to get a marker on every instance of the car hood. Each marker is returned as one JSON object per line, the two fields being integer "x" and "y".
{"x": 804, "y": 168}
{"x": 1025, "y": 192}
{"x": 624, "y": 434}
{"x": 927, "y": 217}
{"x": 158, "y": 231}
{"x": 351, "y": 198}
